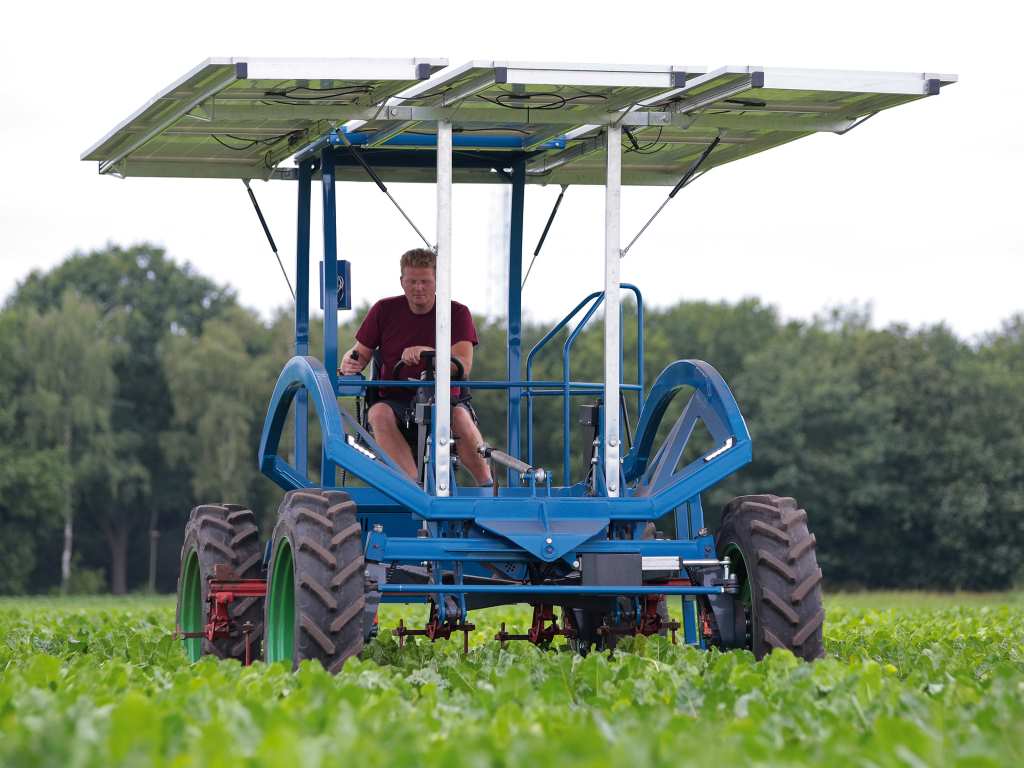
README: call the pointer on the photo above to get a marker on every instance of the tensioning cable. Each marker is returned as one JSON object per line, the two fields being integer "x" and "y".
{"x": 270, "y": 238}
{"x": 544, "y": 234}
{"x": 358, "y": 155}
{"x": 687, "y": 178}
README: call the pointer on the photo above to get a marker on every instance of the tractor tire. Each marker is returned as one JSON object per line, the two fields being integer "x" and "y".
{"x": 772, "y": 555}
{"x": 316, "y": 602}
{"x": 218, "y": 534}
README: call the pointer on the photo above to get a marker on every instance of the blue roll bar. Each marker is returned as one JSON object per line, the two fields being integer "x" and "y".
{"x": 595, "y": 300}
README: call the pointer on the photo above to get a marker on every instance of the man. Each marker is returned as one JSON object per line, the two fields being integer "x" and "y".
{"x": 402, "y": 327}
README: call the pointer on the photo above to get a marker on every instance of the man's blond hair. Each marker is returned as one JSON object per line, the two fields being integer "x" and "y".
{"x": 419, "y": 257}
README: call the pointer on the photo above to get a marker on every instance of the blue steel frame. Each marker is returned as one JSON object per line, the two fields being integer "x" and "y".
{"x": 522, "y": 524}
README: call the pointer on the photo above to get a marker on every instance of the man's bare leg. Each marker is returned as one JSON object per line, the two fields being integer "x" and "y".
{"x": 389, "y": 437}
{"x": 467, "y": 444}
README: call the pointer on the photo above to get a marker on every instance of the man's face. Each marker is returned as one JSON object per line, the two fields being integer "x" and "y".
{"x": 418, "y": 284}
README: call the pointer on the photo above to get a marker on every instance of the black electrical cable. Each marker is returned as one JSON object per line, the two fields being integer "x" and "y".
{"x": 252, "y": 143}
{"x": 644, "y": 148}
{"x": 502, "y": 99}
{"x": 292, "y": 136}
{"x": 334, "y": 93}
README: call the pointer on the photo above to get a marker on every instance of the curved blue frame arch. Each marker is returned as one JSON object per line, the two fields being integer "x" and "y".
{"x": 712, "y": 402}
{"x": 307, "y": 373}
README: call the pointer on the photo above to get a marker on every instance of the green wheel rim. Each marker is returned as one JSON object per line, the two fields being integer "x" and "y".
{"x": 280, "y": 627}
{"x": 191, "y": 616}
{"x": 738, "y": 566}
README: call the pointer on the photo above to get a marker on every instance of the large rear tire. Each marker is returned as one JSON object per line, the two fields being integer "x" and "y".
{"x": 315, "y": 587}
{"x": 772, "y": 555}
{"x": 218, "y": 534}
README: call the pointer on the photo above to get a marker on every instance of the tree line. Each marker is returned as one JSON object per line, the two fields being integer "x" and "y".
{"x": 134, "y": 388}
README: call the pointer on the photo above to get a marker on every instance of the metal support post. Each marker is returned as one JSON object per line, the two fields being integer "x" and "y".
{"x": 302, "y": 311}
{"x": 443, "y": 311}
{"x": 515, "y": 307}
{"x": 328, "y": 476}
{"x": 612, "y": 256}
{"x": 690, "y": 636}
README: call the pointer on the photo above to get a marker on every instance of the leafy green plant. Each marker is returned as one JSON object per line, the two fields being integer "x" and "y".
{"x": 934, "y": 681}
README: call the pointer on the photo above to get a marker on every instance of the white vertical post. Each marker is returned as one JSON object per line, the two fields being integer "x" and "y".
{"x": 443, "y": 311}
{"x": 612, "y": 199}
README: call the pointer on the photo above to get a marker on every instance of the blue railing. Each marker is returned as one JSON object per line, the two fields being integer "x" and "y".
{"x": 569, "y": 388}
{"x": 564, "y": 388}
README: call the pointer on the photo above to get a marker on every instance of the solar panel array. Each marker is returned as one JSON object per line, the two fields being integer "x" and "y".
{"x": 252, "y": 118}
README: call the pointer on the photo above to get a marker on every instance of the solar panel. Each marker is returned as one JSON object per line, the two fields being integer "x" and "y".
{"x": 237, "y": 118}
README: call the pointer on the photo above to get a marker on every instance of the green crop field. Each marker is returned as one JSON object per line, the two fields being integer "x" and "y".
{"x": 910, "y": 680}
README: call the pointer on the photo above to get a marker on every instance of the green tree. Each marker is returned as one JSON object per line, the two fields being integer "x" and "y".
{"x": 30, "y": 499}
{"x": 220, "y": 383}
{"x": 153, "y": 296}
{"x": 67, "y": 355}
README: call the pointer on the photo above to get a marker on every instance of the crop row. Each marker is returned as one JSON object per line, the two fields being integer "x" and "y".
{"x": 106, "y": 685}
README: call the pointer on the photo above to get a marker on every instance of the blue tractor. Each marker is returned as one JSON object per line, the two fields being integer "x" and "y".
{"x": 588, "y": 551}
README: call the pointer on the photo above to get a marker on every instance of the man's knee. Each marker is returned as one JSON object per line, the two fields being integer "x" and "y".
{"x": 381, "y": 416}
{"x": 464, "y": 425}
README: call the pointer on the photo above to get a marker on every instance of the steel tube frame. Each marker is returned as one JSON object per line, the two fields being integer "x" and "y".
{"x": 515, "y": 308}
{"x": 541, "y": 589}
{"x": 612, "y": 256}
{"x": 329, "y": 290}
{"x": 441, "y": 449}
{"x": 398, "y": 549}
{"x": 481, "y": 384}
{"x": 302, "y": 311}
{"x": 569, "y": 387}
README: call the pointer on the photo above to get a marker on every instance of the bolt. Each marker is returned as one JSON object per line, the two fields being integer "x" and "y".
{"x": 549, "y": 549}
{"x": 703, "y": 532}
{"x": 612, "y": 442}
{"x": 442, "y": 486}
{"x": 613, "y": 487}
{"x": 378, "y": 528}
{"x": 548, "y": 540}
{"x": 443, "y": 441}
{"x": 576, "y": 564}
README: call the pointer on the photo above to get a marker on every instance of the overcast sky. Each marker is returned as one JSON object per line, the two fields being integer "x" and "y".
{"x": 917, "y": 212}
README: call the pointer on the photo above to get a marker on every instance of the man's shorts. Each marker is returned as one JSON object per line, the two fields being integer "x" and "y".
{"x": 405, "y": 413}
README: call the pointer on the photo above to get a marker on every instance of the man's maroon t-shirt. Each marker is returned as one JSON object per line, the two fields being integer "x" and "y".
{"x": 392, "y": 326}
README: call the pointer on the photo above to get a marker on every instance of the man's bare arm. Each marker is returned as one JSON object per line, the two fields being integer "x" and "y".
{"x": 350, "y": 365}
{"x": 464, "y": 351}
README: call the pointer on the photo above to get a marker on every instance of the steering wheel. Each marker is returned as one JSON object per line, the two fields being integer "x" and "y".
{"x": 427, "y": 356}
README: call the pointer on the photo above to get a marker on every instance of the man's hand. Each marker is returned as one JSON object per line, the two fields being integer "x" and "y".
{"x": 355, "y": 360}
{"x": 411, "y": 355}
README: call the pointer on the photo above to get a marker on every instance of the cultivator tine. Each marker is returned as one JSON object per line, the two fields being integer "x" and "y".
{"x": 247, "y": 630}
{"x": 435, "y": 630}
{"x": 541, "y": 632}
{"x": 400, "y": 633}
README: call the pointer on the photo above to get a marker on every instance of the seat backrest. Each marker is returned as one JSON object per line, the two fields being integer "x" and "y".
{"x": 372, "y": 393}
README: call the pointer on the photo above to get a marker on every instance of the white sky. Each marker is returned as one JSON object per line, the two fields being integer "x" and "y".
{"x": 917, "y": 212}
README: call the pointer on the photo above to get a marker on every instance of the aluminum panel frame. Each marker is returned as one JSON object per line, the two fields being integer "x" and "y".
{"x": 755, "y": 108}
